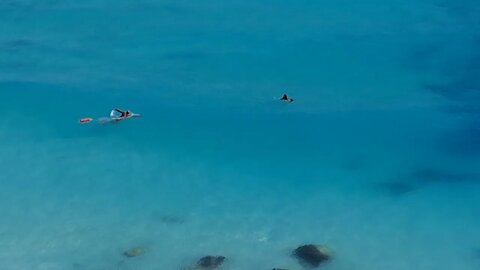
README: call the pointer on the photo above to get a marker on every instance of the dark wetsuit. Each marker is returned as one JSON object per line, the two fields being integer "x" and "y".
{"x": 286, "y": 98}
{"x": 123, "y": 114}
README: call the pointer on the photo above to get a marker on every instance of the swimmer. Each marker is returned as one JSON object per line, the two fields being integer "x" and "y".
{"x": 286, "y": 98}
{"x": 123, "y": 114}
{"x": 118, "y": 115}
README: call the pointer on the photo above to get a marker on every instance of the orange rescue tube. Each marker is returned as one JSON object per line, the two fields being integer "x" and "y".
{"x": 85, "y": 120}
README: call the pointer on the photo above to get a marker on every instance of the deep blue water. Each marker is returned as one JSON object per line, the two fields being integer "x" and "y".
{"x": 378, "y": 157}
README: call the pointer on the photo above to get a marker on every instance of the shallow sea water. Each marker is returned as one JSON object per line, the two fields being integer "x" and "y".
{"x": 377, "y": 158}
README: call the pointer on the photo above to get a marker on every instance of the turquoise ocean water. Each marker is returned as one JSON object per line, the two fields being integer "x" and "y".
{"x": 378, "y": 157}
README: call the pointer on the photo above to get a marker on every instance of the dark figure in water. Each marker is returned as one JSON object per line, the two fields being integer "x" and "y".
{"x": 312, "y": 255}
{"x": 123, "y": 114}
{"x": 210, "y": 262}
{"x": 286, "y": 98}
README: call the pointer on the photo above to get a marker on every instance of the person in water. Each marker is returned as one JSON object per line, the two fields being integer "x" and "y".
{"x": 286, "y": 98}
{"x": 123, "y": 114}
